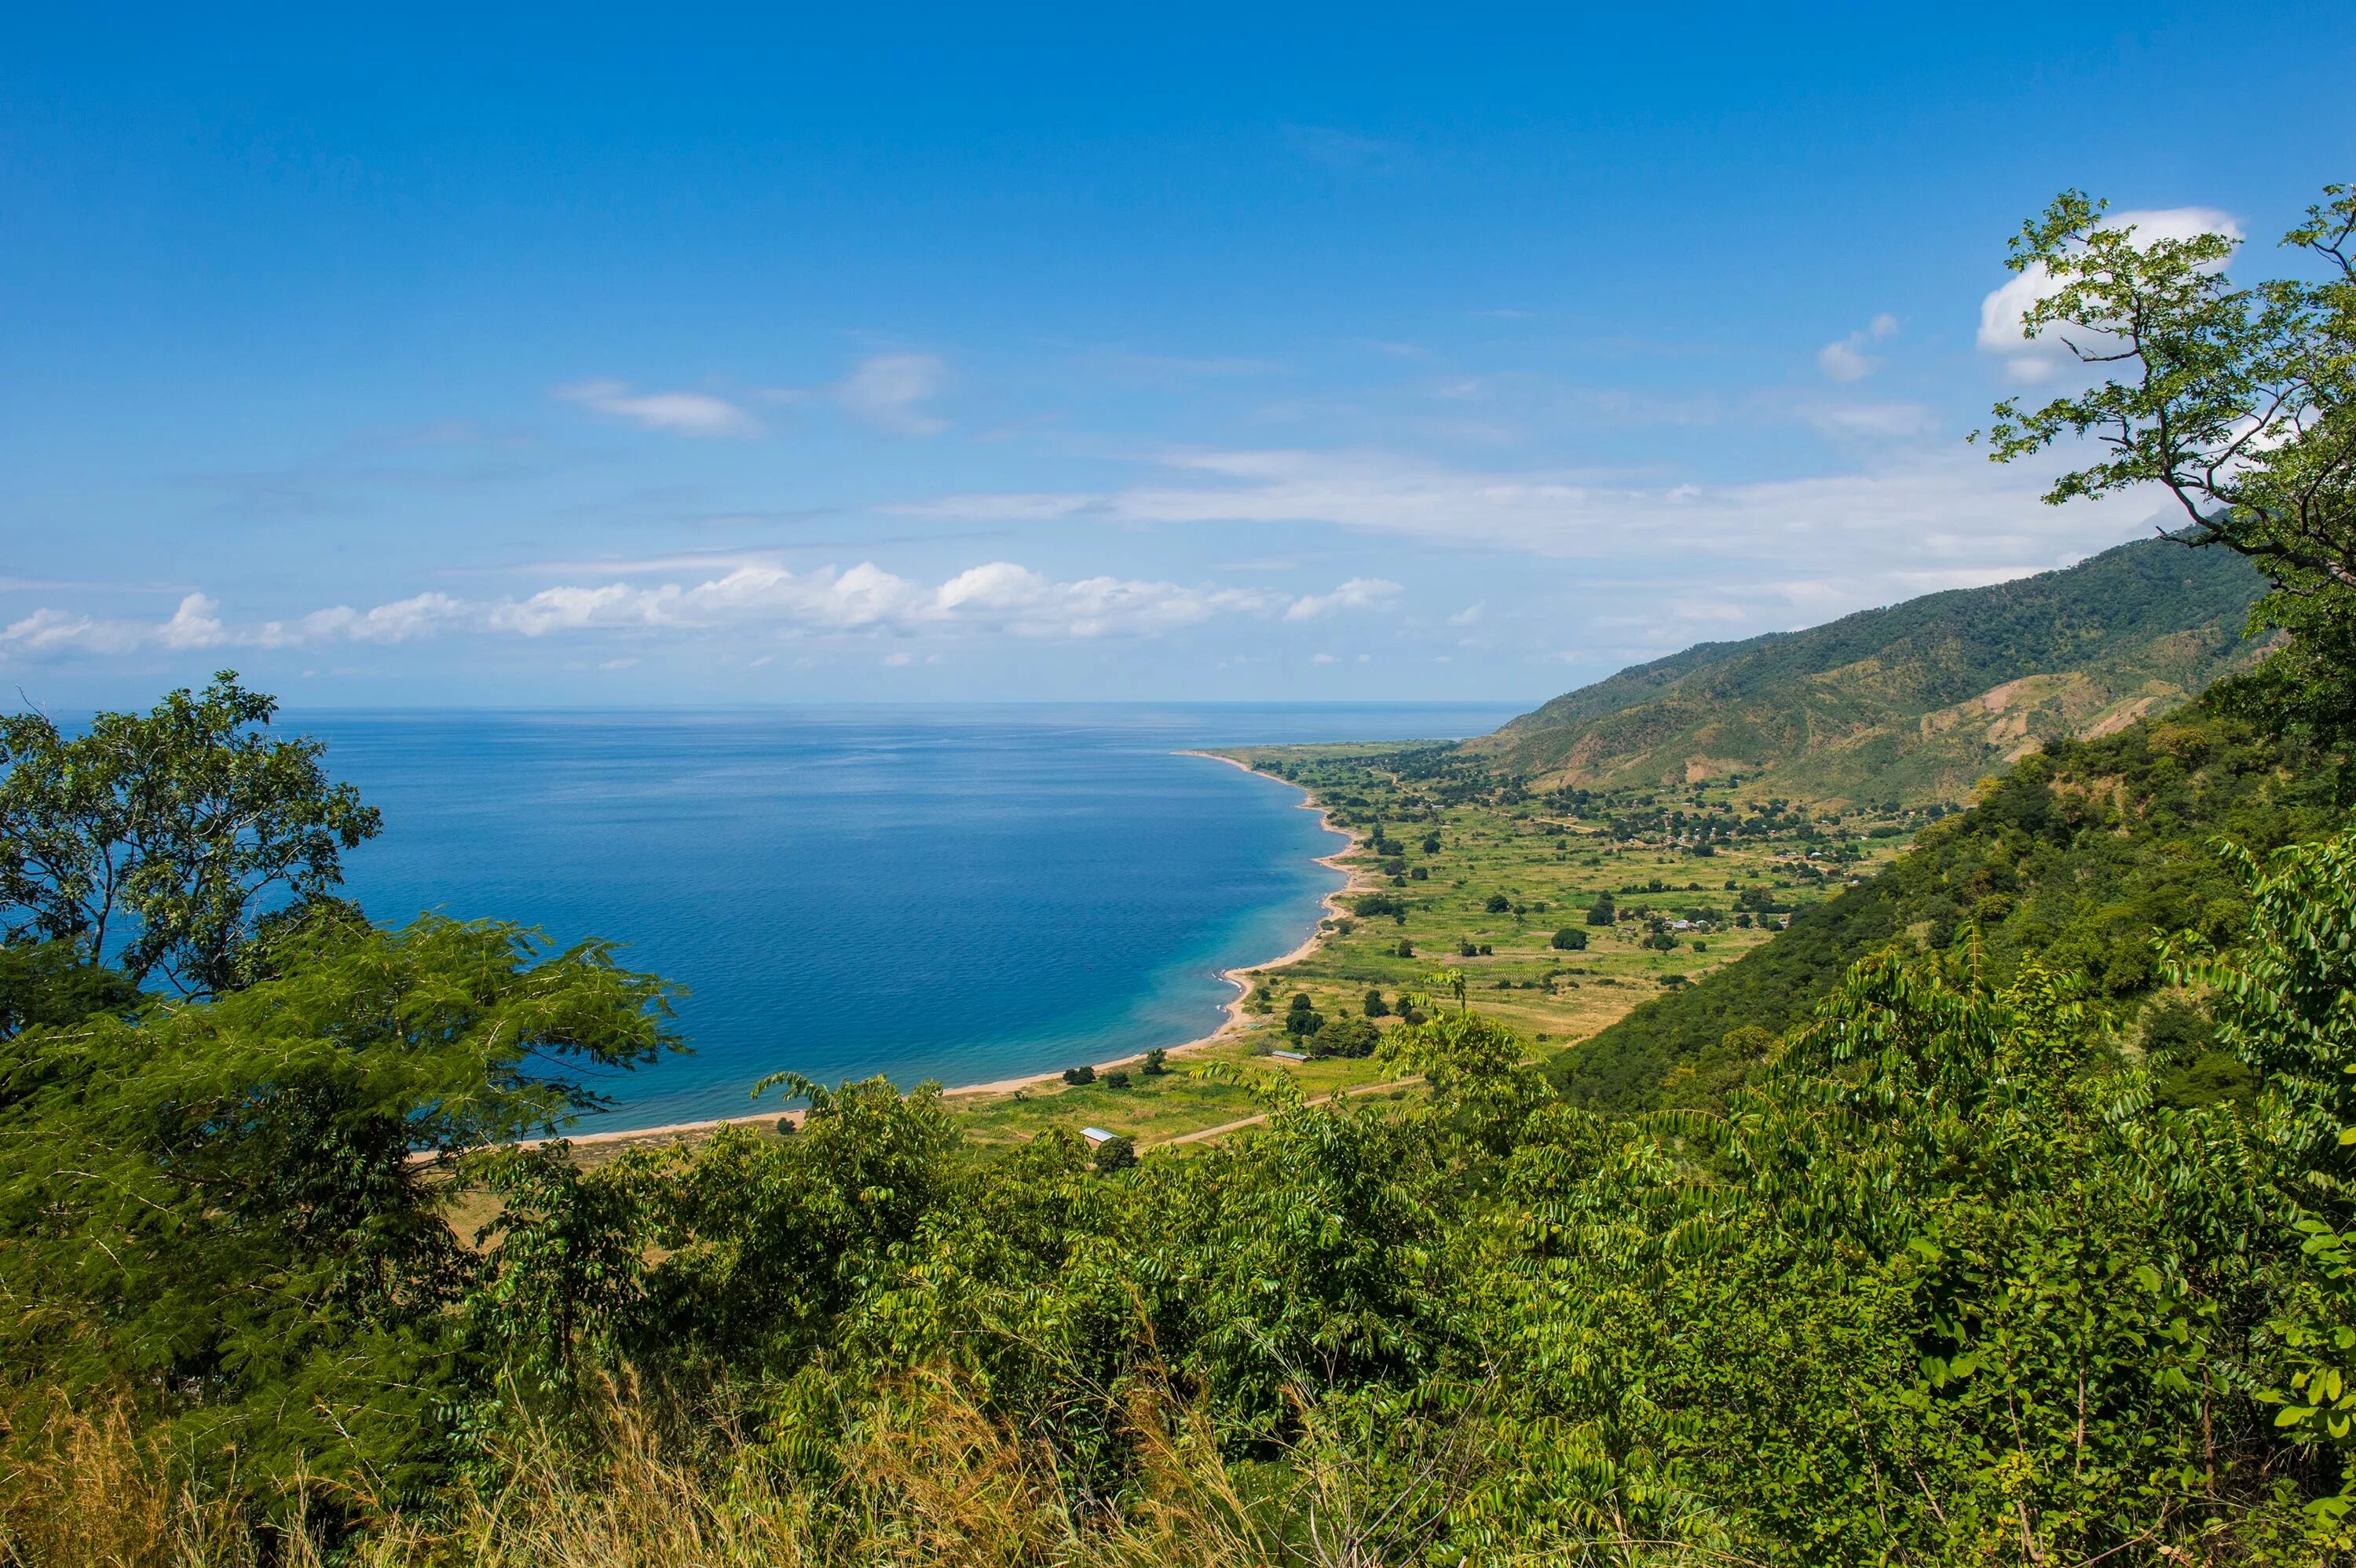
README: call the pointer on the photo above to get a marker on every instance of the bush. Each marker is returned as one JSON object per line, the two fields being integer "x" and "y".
{"x": 1302, "y": 1022}
{"x": 1375, "y": 1007}
{"x": 1406, "y": 949}
{"x": 1115, "y": 1155}
{"x": 1570, "y": 939}
{"x": 1466, "y": 950}
{"x": 1075, "y": 1076}
{"x": 1115, "y": 1079}
{"x": 1498, "y": 903}
{"x": 1345, "y": 1037}
{"x": 1600, "y": 912}
{"x": 1157, "y": 1062}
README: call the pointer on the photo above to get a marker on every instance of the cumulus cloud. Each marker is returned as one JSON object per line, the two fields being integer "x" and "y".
{"x": 684, "y": 413}
{"x": 999, "y": 598}
{"x": 890, "y": 391}
{"x": 2034, "y": 360}
{"x": 1846, "y": 360}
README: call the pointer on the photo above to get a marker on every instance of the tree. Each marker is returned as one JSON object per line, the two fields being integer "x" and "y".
{"x": 1498, "y": 903}
{"x": 1600, "y": 911}
{"x": 1078, "y": 1076}
{"x": 1116, "y": 1079}
{"x": 48, "y": 983}
{"x": 1345, "y": 1037}
{"x": 1157, "y": 1062}
{"x": 1570, "y": 939}
{"x": 2241, "y": 402}
{"x": 1304, "y": 1021}
{"x": 1375, "y": 1007}
{"x": 158, "y": 841}
{"x": 221, "y": 1205}
{"x": 1115, "y": 1155}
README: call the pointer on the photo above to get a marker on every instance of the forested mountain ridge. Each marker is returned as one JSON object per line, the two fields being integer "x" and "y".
{"x": 1912, "y": 702}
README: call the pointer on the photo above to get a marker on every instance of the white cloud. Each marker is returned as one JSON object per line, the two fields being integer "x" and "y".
{"x": 1907, "y": 506}
{"x": 1358, "y": 593}
{"x": 1873, "y": 419}
{"x": 1848, "y": 360}
{"x": 2031, "y": 361}
{"x": 890, "y": 390}
{"x": 687, "y": 413}
{"x": 999, "y": 598}
{"x": 1470, "y": 615}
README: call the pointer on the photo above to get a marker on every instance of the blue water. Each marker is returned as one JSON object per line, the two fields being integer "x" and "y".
{"x": 964, "y": 893}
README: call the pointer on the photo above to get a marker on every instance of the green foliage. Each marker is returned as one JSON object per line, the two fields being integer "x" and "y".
{"x": 1345, "y": 1036}
{"x": 1080, "y": 1075}
{"x": 1157, "y": 1062}
{"x": 154, "y": 841}
{"x": 1115, "y": 1155}
{"x": 1570, "y": 939}
{"x": 50, "y": 983}
{"x": 222, "y": 1204}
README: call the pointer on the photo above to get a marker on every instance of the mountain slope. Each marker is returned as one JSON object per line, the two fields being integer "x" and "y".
{"x": 1911, "y": 702}
{"x": 2075, "y": 859}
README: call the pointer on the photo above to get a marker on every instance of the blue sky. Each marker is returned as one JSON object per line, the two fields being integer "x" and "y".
{"x": 684, "y": 354}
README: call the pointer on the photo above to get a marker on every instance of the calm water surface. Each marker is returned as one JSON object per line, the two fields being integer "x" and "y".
{"x": 961, "y": 894}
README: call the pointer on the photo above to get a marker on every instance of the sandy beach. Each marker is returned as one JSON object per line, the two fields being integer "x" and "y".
{"x": 1241, "y": 977}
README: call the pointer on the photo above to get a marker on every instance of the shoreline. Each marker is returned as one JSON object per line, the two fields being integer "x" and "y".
{"x": 1235, "y": 1023}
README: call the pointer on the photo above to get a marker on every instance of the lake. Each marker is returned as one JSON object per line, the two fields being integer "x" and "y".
{"x": 960, "y": 893}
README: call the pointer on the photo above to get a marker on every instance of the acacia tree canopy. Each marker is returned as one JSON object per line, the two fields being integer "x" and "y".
{"x": 2239, "y": 401}
{"x": 156, "y": 841}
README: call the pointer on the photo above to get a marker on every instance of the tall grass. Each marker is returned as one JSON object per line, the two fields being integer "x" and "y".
{"x": 934, "y": 1480}
{"x": 929, "y": 1478}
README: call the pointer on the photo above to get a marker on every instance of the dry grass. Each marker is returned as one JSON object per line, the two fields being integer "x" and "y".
{"x": 929, "y": 1478}
{"x": 932, "y": 1480}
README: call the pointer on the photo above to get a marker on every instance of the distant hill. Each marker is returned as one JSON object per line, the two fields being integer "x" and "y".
{"x": 1909, "y": 703}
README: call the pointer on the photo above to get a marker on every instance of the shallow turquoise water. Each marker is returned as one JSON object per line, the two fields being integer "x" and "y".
{"x": 959, "y": 893}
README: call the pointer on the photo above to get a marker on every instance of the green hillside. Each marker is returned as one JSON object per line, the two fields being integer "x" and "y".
{"x": 2078, "y": 857}
{"x": 1913, "y": 702}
